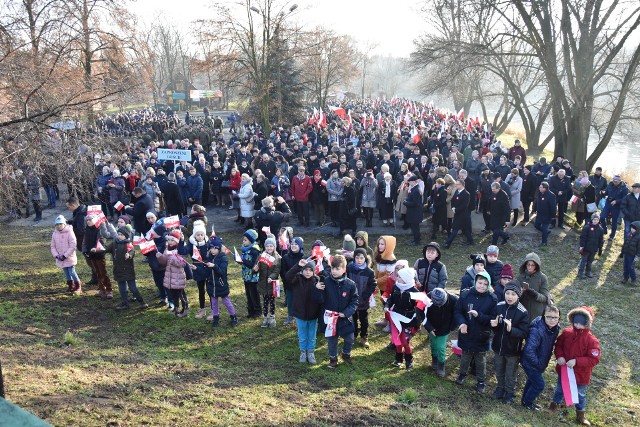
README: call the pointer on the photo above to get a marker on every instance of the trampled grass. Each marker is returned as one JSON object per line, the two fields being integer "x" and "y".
{"x": 150, "y": 368}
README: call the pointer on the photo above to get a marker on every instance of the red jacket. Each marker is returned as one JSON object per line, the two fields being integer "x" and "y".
{"x": 301, "y": 188}
{"x": 235, "y": 181}
{"x": 581, "y": 345}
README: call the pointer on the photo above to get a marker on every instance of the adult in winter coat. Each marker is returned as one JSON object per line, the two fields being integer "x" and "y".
{"x": 301, "y": 188}
{"x": 535, "y": 289}
{"x": 246, "y": 196}
{"x": 475, "y": 309}
{"x": 432, "y": 273}
{"x": 546, "y": 209}
{"x": 630, "y": 207}
{"x": 536, "y": 354}
{"x": 630, "y": 250}
{"x": 151, "y": 188}
{"x": 560, "y": 185}
{"x": 438, "y": 207}
{"x": 143, "y": 204}
{"x": 172, "y": 196}
{"x": 272, "y": 214}
{"x": 414, "y": 214}
{"x": 368, "y": 196}
{"x": 586, "y": 193}
{"x": 461, "y": 220}
{"x": 387, "y": 196}
{"x": 515, "y": 185}
{"x": 93, "y": 250}
{"x": 63, "y": 249}
{"x": 578, "y": 348}
{"x": 528, "y": 193}
{"x": 335, "y": 188}
{"x": 439, "y": 323}
{"x": 261, "y": 190}
{"x": 115, "y": 187}
{"x": 195, "y": 187}
{"x": 499, "y": 211}
{"x": 348, "y": 209}
{"x": 614, "y": 193}
{"x": 591, "y": 242}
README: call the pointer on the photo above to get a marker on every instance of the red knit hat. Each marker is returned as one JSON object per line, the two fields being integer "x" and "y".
{"x": 507, "y": 271}
{"x": 175, "y": 234}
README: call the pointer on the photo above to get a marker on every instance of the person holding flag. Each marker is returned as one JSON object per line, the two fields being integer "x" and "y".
{"x": 402, "y": 311}
{"x": 197, "y": 248}
{"x": 248, "y": 260}
{"x": 217, "y": 284}
{"x": 268, "y": 268}
{"x": 124, "y": 273}
{"x": 93, "y": 249}
{"x": 175, "y": 277}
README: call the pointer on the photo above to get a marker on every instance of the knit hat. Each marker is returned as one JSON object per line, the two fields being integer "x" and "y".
{"x": 478, "y": 259}
{"x": 515, "y": 287}
{"x": 348, "y": 244}
{"x": 407, "y": 275}
{"x": 595, "y": 215}
{"x": 175, "y": 234}
{"x": 580, "y": 319}
{"x": 126, "y": 219}
{"x": 151, "y": 215}
{"x": 317, "y": 243}
{"x": 251, "y": 234}
{"x": 617, "y": 178}
{"x": 215, "y": 242}
{"x": 439, "y": 296}
{"x": 310, "y": 264}
{"x": 507, "y": 271}
{"x": 159, "y": 229}
{"x": 60, "y": 219}
{"x": 270, "y": 240}
{"x": 360, "y": 251}
{"x": 199, "y": 226}
{"x": 125, "y": 232}
{"x": 298, "y": 241}
{"x": 493, "y": 250}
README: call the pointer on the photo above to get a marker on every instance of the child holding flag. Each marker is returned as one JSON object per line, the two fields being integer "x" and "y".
{"x": 93, "y": 249}
{"x": 401, "y": 308}
{"x": 577, "y": 353}
{"x": 293, "y": 255}
{"x": 197, "y": 248}
{"x": 121, "y": 249}
{"x": 217, "y": 284}
{"x": 268, "y": 268}
{"x": 248, "y": 259}
{"x": 175, "y": 278}
{"x": 339, "y": 295}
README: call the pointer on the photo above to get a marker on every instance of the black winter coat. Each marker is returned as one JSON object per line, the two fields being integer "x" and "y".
{"x": 173, "y": 199}
{"x": 123, "y": 268}
{"x": 441, "y": 319}
{"x": 478, "y": 334}
{"x": 341, "y": 296}
{"x": 592, "y": 238}
{"x": 529, "y": 187}
{"x": 217, "y": 283}
{"x": 365, "y": 283}
{"x": 460, "y": 201}
{"x": 289, "y": 260}
{"x": 139, "y": 213}
{"x": 546, "y": 207}
{"x": 401, "y": 303}
{"x": 305, "y": 304}
{"x": 413, "y": 202}
{"x": 556, "y": 184}
{"x": 494, "y": 269}
{"x": 439, "y": 200}
{"x": 507, "y": 343}
{"x": 631, "y": 245}
{"x": 499, "y": 208}
{"x": 630, "y": 207}
{"x": 271, "y": 218}
{"x": 348, "y": 203}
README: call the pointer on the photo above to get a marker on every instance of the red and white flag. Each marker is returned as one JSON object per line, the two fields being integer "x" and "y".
{"x": 284, "y": 241}
{"x": 125, "y": 175}
{"x": 129, "y": 246}
{"x": 266, "y": 259}
{"x": 331, "y": 320}
{"x": 138, "y": 240}
{"x": 99, "y": 246}
{"x": 319, "y": 252}
{"x": 275, "y": 284}
{"x": 460, "y": 114}
{"x": 147, "y": 246}
{"x": 226, "y": 250}
{"x": 172, "y": 222}
{"x": 569, "y": 385}
{"x": 266, "y": 230}
{"x": 236, "y": 255}
{"x": 196, "y": 254}
{"x": 319, "y": 268}
{"x": 119, "y": 205}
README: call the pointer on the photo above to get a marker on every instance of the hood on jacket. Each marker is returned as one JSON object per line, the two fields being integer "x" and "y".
{"x": 486, "y": 276}
{"x": 388, "y": 254}
{"x": 433, "y": 245}
{"x": 364, "y": 236}
{"x": 532, "y": 256}
{"x": 582, "y": 310}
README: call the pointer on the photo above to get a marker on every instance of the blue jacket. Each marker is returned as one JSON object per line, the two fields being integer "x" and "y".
{"x": 341, "y": 296}
{"x": 546, "y": 207}
{"x": 154, "y": 264}
{"x": 194, "y": 187}
{"x": 616, "y": 193}
{"x": 249, "y": 256}
{"x": 539, "y": 346}
{"x": 217, "y": 283}
{"x": 201, "y": 272}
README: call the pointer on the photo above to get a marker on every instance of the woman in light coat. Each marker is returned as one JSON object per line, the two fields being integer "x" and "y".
{"x": 450, "y": 186}
{"x": 369, "y": 195}
{"x": 246, "y": 196}
{"x": 335, "y": 188}
{"x": 515, "y": 183}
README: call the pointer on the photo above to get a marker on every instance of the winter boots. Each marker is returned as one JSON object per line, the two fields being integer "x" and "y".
{"x": 581, "y": 418}
{"x": 408, "y": 361}
{"x": 434, "y": 362}
{"x": 398, "y": 362}
{"x": 215, "y": 321}
{"x": 201, "y": 313}
{"x": 234, "y": 320}
{"x": 70, "y": 285}
{"x": 440, "y": 370}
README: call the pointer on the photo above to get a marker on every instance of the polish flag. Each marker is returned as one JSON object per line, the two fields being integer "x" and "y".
{"x": 129, "y": 247}
{"x": 460, "y": 114}
{"x": 99, "y": 246}
{"x": 236, "y": 255}
{"x": 196, "y": 254}
{"x": 267, "y": 259}
{"x": 266, "y": 230}
{"x": 213, "y": 232}
{"x": 138, "y": 240}
{"x": 172, "y": 222}
{"x": 319, "y": 267}
{"x": 276, "y": 288}
{"x": 363, "y": 119}
{"x": 422, "y": 300}
{"x": 147, "y": 246}
{"x": 379, "y": 120}
{"x": 319, "y": 252}
{"x": 119, "y": 205}
{"x": 284, "y": 241}
{"x": 226, "y": 250}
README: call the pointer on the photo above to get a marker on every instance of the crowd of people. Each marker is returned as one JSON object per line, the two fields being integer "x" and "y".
{"x": 411, "y": 164}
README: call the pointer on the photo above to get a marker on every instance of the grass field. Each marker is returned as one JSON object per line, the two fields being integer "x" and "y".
{"x": 74, "y": 361}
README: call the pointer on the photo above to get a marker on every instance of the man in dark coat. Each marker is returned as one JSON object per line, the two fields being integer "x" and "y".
{"x": 546, "y": 208}
{"x": 499, "y": 211}
{"x": 528, "y": 192}
{"x": 172, "y": 196}
{"x": 460, "y": 206}
{"x": 77, "y": 222}
{"x": 143, "y": 204}
{"x": 630, "y": 208}
{"x": 414, "y": 215}
{"x": 560, "y": 185}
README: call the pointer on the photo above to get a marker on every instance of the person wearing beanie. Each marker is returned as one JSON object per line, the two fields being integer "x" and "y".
{"x": 474, "y": 310}
{"x": 339, "y": 297}
{"x": 318, "y": 197}
{"x": 614, "y": 195}
{"x": 478, "y": 263}
{"x": 630, "y": 207}
{"x": 439, "y": 322}
{"x": 123, "y": 220}
{"x": 362, "y": 241}
{"x": 175, "y": 276}
{"x": 196, "y": 248}
{"x": 493, "y": 265}
{"x": 630, "y": 250}
{"x": 499, "y": 213}
{"x": 122, "y": 252}
{"x": 400, "y": 303}
{"x": 249, "y": 254}
{"x": 432, "y": 273}
{"x": 545, "y": 206}
{"x": 93, "y": 250}
{"x": 358, "y": 270}
{"x": 348, "y": 246}
{"x": 535, "y": 287}
{"x": 579, "y": 349}
{"x": 289, "y": 260}
{"x": 510, "y": 327}
{"x": 304, "y": 307}
{"x": 268, "y": 267}
{"x": 63, "y": 249}
{"x": 591, "y": 243}
{"x": 506, "y": 275}
{"x": 216, "y": 262}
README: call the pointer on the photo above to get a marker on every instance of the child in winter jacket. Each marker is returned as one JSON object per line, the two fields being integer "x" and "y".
{"x": 121, "y": 249}
{"x": 536, "y": 354}
{"x": 506, "y": 276}
{"x": 157, "y": 234}
{"x": 304, "y": 306}
{"x": 591, "y": 242}
{"x": 339, "y": 295}
{"x": 401, "y": 304}
{"x": 93, "y": 250}
{"x": 63, "y": 249}
{"x": 363, "y": 277}
{"x": 431, "y": 272}
{"x": 217, "y": 262}
{"x": 249, "y": 253}
{"x": 268, "y": 268}
{"x": 630, "y": 250}
{"x": 362, "y": 241}
{"x": 578, "y": 349}
{"x": 474, "y": 310}
{"x": 478, "y": 263}
{"x": 510, "y": 327}
{"x": 197, "y": 248}
{"x": 440, "y": 321}
{"x": 175, "y": 278}
{"x": 385, "y": 261}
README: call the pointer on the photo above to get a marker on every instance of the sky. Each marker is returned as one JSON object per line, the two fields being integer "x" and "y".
{"x": 391, "y": 26}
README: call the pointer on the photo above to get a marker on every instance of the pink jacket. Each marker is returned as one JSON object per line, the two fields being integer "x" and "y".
{"x": 174, "y": 275}
{"x": 64, "y": 243}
